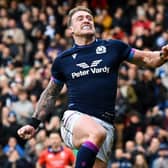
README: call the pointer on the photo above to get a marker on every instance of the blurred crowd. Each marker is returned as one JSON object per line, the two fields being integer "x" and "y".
{"x": 33, "y": 33}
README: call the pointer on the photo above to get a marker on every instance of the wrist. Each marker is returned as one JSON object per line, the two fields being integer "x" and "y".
{"x": 161, "y": 55}
{"x": 34, "y": 122}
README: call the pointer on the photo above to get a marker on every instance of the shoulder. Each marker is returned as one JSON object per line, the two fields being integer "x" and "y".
{"x": 68, "y": 150}
{"x": 67, "y": 52}
{"x": 109, "y": 42}
{"x": 113, "y": 44}
{"x": 44, "y": 152}
{"x": 63, "y": 55}
{"x": 117, "y": 42}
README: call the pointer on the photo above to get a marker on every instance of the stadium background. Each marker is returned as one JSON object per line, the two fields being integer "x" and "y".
{"x": 32, "y": 34}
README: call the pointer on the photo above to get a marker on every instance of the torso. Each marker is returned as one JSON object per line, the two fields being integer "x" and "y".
{"x": 91, "y": 73}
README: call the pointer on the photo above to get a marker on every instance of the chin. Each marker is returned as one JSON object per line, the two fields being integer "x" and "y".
{"x": 88, "y": 33}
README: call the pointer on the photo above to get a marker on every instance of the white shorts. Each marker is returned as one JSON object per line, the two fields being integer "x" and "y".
{"x": 69, "y": 119}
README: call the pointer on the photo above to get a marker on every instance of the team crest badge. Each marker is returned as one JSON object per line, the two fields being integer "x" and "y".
{"x": 100, "y": 50}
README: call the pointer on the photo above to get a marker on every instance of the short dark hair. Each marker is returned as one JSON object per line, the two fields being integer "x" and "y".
{"x": 76, "y": 9}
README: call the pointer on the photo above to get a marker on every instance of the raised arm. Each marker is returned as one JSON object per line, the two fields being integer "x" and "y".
{"x": 46, "y": 101}
{"x": 150, "y": 59}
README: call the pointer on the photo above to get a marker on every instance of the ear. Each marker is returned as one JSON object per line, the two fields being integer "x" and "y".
{"x": 70, "y": 30}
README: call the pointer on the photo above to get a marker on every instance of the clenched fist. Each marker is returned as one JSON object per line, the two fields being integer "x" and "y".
{"x": 164, "y": 52}
{"x": 26, "y": 132}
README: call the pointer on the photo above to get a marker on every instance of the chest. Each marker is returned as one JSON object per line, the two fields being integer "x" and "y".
{"x": 57, "y": 159}
{"x": 91, "y": 62}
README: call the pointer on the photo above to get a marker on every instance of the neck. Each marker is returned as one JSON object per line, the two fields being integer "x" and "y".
{"x": 84, "y": 40}
{"x": 56, "y": 148}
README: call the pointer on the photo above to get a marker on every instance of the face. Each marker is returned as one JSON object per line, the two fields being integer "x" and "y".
{"x": 139, "y": 159}
{"x": 82, "y": 24}
{"x": 139, "y": 137}
{"x": 12, "y": 142}
{"x": 130, "y": 146}
{"x": 55, "y": 140}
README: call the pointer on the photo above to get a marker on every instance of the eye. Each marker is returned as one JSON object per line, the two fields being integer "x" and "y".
{"x": 89, "y": 18}
{"x": 79, "y": 18}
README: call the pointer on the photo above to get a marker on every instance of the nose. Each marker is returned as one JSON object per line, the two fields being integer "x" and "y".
{"x": 86, "y": 20}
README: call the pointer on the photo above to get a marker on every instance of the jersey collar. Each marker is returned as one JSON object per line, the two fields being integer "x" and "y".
{"x": 84, "y": 46}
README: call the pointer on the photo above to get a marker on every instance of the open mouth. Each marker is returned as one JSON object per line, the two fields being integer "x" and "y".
{"x": 86, "y": 27}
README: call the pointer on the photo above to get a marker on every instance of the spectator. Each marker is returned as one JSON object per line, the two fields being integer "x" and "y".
{"x": 30, "y": 152}
{"x": 14, "y": 11}
{"x": 16, "y": 33}
{"x": 140, "y": 142}
{"x": 54, "y": 124}
{"x": 140, "y": 161}
{"x": 146, "y": 99}
{"x": 11, "y": 128}
{"x": 10, "y": 70}
{"x": 13, "y": 146}
{"x": 51, "y": 27}
{"x": 152, "y": 150}
{"x": 3, "y": 158}
{"x": 134, "y": 125}
{"x": 23, "y": 107}
{"x": 165, "y": 119}
{"x": 162, "y": 160}
{"x": 6, "y": 56}
{"x": 120, "y": 160}
{"x": 143, "y": 24}
{"x": 41, "y": 138}
{"x": 60, "y": 156}
{"x": 14, "y": 50}
{"x": 130, "y": 150}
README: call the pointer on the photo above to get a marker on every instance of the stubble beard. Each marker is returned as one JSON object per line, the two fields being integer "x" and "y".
{"x": 86, "y": 35}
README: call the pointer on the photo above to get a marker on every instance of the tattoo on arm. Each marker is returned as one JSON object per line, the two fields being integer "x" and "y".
{"x": 47, "y": 100}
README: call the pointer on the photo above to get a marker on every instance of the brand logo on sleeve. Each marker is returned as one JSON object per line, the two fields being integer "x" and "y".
{"x": 74, "y": 56}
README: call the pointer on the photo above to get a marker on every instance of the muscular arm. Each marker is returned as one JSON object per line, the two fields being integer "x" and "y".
{"x": 150, "y": 59}
{"x": 47, "y": 99}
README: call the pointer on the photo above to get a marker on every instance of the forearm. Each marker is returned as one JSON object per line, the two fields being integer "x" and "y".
{"x": 153, "y": 59}
{"x": 150, "y": 59}
{"x": 47, "y": 100}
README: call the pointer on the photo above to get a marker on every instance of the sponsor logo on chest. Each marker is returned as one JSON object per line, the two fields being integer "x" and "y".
{"x": 93, "y": 68}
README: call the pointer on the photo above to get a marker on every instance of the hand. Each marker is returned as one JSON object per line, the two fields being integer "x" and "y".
{"x": 14, "y": 156}
{"x": 26, "y": 132}
{"x": 164, "y": 51}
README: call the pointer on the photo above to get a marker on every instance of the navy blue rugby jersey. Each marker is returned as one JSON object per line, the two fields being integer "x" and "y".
{"x": 91, "y": 73}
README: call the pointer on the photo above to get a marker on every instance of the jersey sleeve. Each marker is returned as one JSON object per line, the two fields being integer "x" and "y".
{"x": 57, "y": 72}
{"x": 124, "y": 51}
